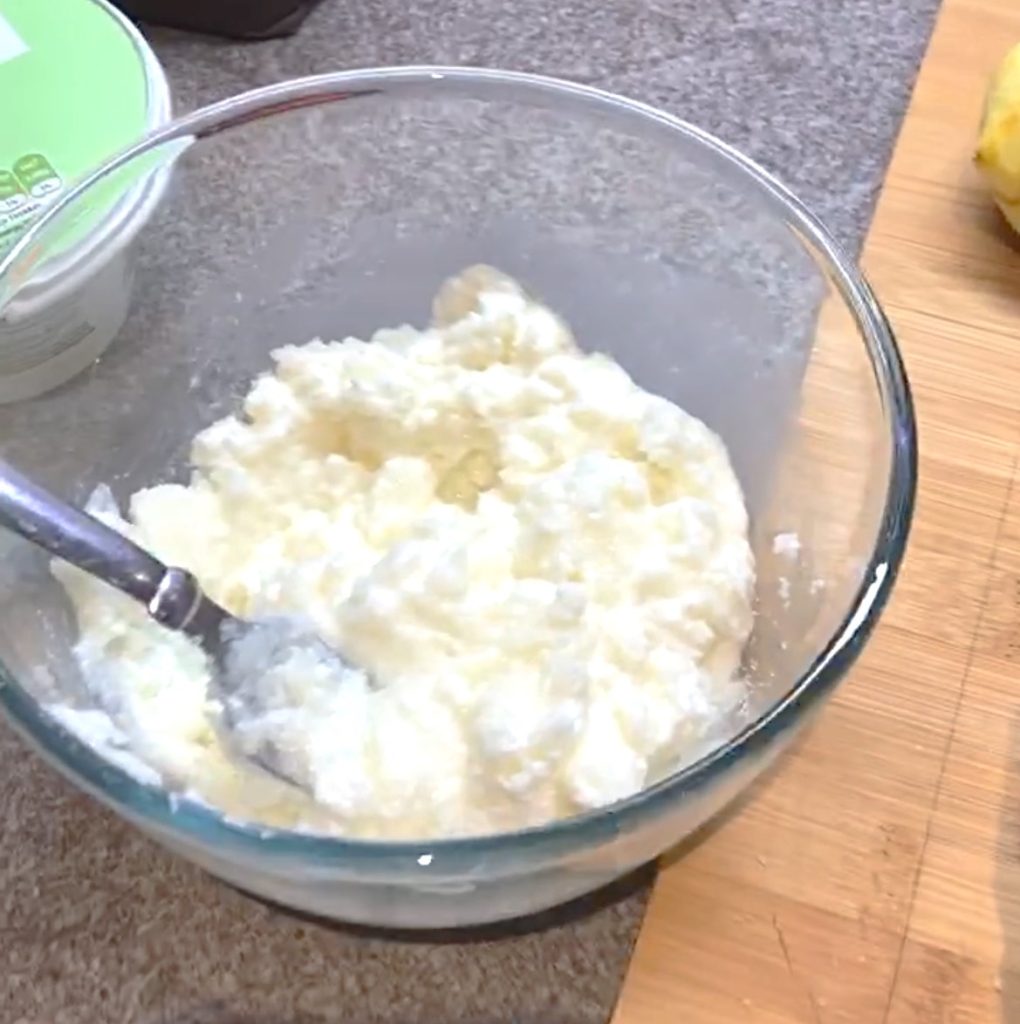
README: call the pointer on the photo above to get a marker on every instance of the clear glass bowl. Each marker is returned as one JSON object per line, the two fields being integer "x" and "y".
{"x": 335, "y": 205}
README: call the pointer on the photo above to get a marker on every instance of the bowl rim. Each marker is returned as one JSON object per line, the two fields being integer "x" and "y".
{"x": 154, "y": 808}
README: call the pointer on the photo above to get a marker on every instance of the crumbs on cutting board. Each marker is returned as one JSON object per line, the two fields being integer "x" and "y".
{"x": 787, "y": 544}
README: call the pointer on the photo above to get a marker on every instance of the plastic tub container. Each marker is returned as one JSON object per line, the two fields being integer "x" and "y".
{"x": 86, "y": 84}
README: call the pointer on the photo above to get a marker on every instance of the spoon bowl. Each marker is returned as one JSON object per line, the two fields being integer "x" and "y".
{"x": 252, "y": 662}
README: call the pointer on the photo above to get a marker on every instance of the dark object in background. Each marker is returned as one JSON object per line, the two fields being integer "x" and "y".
{"x": 239, "y": 19}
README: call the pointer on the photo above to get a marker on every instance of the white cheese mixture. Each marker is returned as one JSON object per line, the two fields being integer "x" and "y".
{"x": 543, "y": 567}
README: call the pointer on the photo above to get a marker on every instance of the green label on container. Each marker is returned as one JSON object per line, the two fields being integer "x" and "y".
{"x": 73, "y": 90}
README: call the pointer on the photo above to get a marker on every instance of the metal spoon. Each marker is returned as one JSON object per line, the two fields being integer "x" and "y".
{"x": 243, "y": 654}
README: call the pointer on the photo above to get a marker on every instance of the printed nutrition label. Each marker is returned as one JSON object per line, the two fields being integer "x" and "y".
{"x": 25, "y": 188}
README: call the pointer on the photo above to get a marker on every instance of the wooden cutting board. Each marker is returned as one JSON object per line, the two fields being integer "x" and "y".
{"x": 875, "y": 877}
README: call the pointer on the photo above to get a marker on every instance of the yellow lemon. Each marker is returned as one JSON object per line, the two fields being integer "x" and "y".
{"x": 998, "y": 151}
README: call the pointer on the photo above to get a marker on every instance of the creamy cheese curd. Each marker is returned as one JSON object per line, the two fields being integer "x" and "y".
{"x": 543, "y": 568}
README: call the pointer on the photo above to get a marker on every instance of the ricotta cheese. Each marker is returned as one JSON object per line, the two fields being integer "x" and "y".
{"x": 543, "y": 568}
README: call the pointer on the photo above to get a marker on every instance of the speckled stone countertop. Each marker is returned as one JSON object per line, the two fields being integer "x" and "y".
{"x": 98, "y": 925}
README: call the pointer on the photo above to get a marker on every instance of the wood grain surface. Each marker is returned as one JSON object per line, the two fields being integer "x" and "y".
{"x": 875, "y": 877}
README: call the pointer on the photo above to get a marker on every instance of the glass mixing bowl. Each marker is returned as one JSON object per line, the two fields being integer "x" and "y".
{"x": 337, "y": 204}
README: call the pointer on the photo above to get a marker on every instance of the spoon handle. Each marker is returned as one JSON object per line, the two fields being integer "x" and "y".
{"x": 172, "y": 596}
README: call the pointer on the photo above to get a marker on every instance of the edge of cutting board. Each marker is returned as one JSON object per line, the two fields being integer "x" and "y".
{"x": 875, "y": 876}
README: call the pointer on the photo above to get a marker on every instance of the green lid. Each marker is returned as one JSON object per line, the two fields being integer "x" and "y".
{"x": 74, "y": 88}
